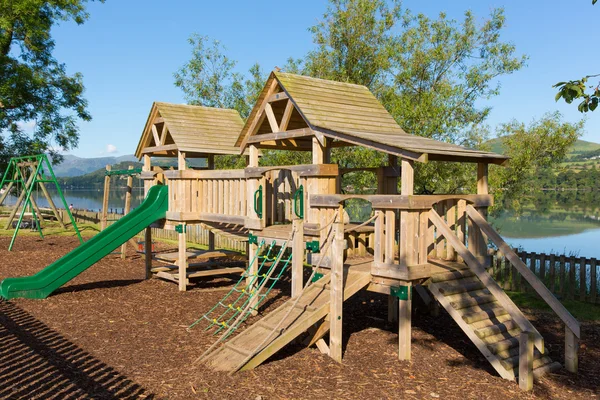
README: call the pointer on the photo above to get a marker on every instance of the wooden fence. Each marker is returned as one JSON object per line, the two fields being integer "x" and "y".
{"x": 568, "y": 277}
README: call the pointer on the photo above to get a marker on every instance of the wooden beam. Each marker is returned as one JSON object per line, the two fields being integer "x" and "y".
{"x": 337, "y": 291}
{"x": 296, "y": 133}
{"x": 297, "y": 257}
{"x": 271, "y": 118}
{"x": 277, "y": 97}
{"x": 163, "y": 135}
{"x": 571, "y": 350}
{"x": 181, "y": 165}
{"x": 182, "y": 260}
{"x": 127, "y": 208}
{"x": 104, "y": 218}
{"x": 287, "y": 116}
{"x": 156, "y": 149}
{"x": 526, "y": 361}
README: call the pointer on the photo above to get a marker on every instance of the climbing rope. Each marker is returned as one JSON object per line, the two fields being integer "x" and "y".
{"x": 367, "y": 222}
{"x": 249, "y": 306}
{"x": 259, "y": 347}
{"x": 235, "y": 289}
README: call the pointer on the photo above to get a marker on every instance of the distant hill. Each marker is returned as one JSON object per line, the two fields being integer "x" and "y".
{"x": 96, "y": 178}
{"x": 77, "y": 166}
{"x": 580, "y": 146}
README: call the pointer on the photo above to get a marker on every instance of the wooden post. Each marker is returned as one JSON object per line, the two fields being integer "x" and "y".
{"x": 526, "y": 360}
{"x": 147, "y": 167}
{"x": 408, "y": 219}
{"x": 127, "y": 208}
{"x": 182, "y": 263}
{"x": 104, "y": 219}
{"x": 571, "y": 350}
{"x": 477, "y": 240}
{"x": 181, "y": 165}
{"x": 148, "y": 252}
{"x": 252, "y": 271}
{"x": 405, "y": 324}
{"x": 321, "y": 153}
{"x": 337, "y": 289}
{"x": 210, "y": 164}
{"x": 297, "y": 257}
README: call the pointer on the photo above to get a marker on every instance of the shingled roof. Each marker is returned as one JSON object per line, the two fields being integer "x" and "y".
{"x": 350, "y": 113}
{"x": 195, "y": 130}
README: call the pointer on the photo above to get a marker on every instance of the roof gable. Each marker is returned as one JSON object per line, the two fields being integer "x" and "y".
{"x": 191, "y": 129}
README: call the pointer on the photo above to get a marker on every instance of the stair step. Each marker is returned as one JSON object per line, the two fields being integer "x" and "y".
{"x": 512, "y": 334}
{"x": 513, "y": 362}
{"x": 470, "y": 299}
{"x": 325, "y": 286}
{"x": 514, "y": 351}
{"x": 543, "y": 370}
{"x": 484, "y": 323}
{"x": 305, "y": 307}
{"x": 496, "y": 329}
{"x": 503, "y": 345}
{"x": 451, "y": 275}
{"x": 482, "y": 312}
{"x": 460, "y": 286}
{"x": 269, "y": 327}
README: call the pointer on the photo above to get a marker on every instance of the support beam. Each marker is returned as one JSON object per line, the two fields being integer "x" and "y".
{"x": 252, "y": 270}
{"x": 287, "y": 116}
{"x": 148, "y": 252}
{"x": 526, "y": 361}
{"x": 321, "y": 154}
{"x": 181, "y": 165}
{"x": 408, "y": 245}
{"x": 337, "y": 290}
{"x": 271, "y": 117}
{"x": 405, "y": 325}
{"x": 155, "y": 136}
{"x": 571, "y": 351}
{"x": 182, "y": 260}
{"x": 297, "y": 257}
{"x": 104, "y": 219}
{"x": 127, "y": 208}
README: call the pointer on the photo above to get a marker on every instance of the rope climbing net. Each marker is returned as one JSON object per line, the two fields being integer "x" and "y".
{"x": 248, "y": 294}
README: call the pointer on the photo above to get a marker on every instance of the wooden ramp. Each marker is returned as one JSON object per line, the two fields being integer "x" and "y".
{"x": 488, "y": 324}
{"x": 241, "y": 352}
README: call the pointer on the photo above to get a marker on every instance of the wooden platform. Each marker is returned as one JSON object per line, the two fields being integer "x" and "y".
{"x": 197, "y": 255}
{"x": 229, "y": 231}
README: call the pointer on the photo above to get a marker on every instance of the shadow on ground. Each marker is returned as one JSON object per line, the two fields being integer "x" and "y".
{"x": 37, "y": 362}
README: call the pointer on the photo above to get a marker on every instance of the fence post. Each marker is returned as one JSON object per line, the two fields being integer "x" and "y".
{"x": 526, "y": 360}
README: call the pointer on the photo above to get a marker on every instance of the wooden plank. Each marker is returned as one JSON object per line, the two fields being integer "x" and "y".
{"x": 451, "y": 220}
{"x": 572, "y": 281}
{"x": 277, "y": 97}
{"x": 562, "y": 275}
{"x": 390, "y": 236}
{"x": 552, "y": 273}
{"x": 535, "y": 283}
{"x": 399, "y": 202}
{"x": 158, "y": 149}
{"x": 295, "y": 133}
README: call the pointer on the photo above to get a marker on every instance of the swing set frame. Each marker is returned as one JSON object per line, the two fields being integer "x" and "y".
{"x": 31, "y": 172}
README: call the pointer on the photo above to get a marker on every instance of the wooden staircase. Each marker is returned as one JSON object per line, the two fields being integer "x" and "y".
{"x": 488, "y": 324}
{"x": 245, "y": 351}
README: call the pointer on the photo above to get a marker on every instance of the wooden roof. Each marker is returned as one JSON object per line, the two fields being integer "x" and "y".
{"x": 350, "y": 113}
{"x": 192, "y": 129}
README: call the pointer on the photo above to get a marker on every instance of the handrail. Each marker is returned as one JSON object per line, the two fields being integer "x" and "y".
{"x": 299, "y": 200}
{"x": 531, "y": 278}
{"x": 258, "y": 196}
{"x": 477, "y": 267}
{"x": 399, "y": 202}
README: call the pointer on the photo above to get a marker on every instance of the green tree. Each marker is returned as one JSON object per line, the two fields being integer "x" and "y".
{"x": 35, "y": 88}
{"x": 540, "y": 145}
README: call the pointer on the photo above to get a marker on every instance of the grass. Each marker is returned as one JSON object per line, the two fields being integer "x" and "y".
{"x": 579, "y": 309}
{"x": 51, "y": 228}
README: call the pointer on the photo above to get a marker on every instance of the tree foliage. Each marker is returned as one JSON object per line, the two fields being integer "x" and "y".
{"x": 35, "y": 89}
{"x": 533, "y": 148}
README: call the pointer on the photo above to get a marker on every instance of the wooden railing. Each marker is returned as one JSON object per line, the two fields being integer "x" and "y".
{"x": 213, "y": 196}
{"x": 572, "y": 326}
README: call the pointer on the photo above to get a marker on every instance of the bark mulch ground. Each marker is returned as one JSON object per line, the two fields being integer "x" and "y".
{"x": 110, "y": 334}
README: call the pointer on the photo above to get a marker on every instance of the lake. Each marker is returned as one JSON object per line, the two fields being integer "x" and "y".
{"x": 558, "y": 222}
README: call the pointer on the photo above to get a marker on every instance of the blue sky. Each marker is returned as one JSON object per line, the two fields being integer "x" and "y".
{"x": 129, "y": 49}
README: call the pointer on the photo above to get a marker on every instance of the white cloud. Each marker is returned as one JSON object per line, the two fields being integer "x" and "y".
{"x": 111, "y": 148}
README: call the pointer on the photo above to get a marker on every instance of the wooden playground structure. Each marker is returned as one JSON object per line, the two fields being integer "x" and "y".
{"x": 433, "y": 246}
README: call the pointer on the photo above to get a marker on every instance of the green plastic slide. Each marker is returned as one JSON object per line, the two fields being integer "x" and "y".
{"x": 42, "y": 284}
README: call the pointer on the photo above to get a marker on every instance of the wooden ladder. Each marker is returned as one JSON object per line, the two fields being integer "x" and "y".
{"x": 312, "y": 307}
{"x": 486, "y": 322}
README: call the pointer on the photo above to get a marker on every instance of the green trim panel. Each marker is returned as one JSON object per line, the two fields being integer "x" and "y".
{"x": 42, "y": 284}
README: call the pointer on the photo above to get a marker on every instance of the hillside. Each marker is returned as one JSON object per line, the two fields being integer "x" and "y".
{"x": 77, "y": 166}
{"x": 580, "y": 146}
{"x": 96, "y": 178}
